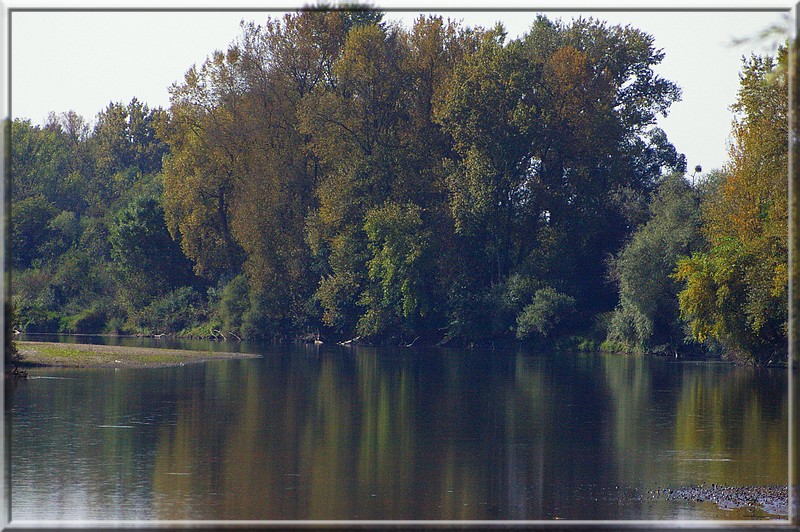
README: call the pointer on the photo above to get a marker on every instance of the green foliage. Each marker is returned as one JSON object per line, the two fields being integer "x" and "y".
{"x": 647, "y": 314}
{"x": 338, "y": 291}
{"x": 30, "y": 228}
{"x": 488, "y": 118}
{"x": 467, "y": 312}
{"x": 39, "y": 160}
{"x": 72, "y": 277}
{"x": 725, "y": 298}
{"x": 548, "y": 314}
{"x": 261, "y": 321}
{"x": 92, "y": 319}
{"x": 489, "y": 313}
{"x": 331, "y": 152}
{"x": 508, "y": 299}
{"x": 331, "y": 171}
{"x": 172, "y": 313}
{"x": 398, "y": 294}
{"x": 35, "y": 317}
{"x": 64, "y": 229}
{"x": 142, "y": 250}
{"x": 125, "y": 137}
{"x": 554, "y": 144}
{"x": 234, "y": 303}
{"x": 67, "y": 183}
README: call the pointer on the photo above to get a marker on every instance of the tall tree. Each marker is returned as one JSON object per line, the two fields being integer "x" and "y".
{"x": 200, "y": 171}
{"x": 737, "y": 291}
{"x": 39, "y": 159}
{"x": 356, "y": 131}
{"x": 285, "y": 62}
{"x": 398, "y": 295}
{"x": 552, "y": 132}
{"x": 596, "y": 101}
{"x": 488, "y": 118}
{"x": 125, "y": 136}
{"x": 379, "y": 150}
{"x": 241, "y": 178}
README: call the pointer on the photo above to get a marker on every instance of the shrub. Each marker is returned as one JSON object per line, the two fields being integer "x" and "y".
{"x": 177, "y": 310}
{"x": 234, "y": 302}
{"x": 647, "y": 313}
{"x": 94, "y": 319}
{"x": 548, "y": 314}
{"x": 34, "y": 316}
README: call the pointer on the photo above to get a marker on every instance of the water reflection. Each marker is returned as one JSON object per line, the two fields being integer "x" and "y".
{"x": 325, "y": 433}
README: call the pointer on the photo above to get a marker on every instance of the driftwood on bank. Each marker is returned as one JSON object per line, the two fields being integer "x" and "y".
{"x": 350, "y": 341}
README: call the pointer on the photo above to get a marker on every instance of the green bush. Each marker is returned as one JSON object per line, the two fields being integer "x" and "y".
{"x": 547, "y": 315}
{"x": 35, "y": 317}
{"x": 89, "y": 321}
{"x": 94, "y": 319}
{"x": 30, "y": 228}
{"x": 234, "y": 303}
{"x": 469, "y": 312}
{"x": 179, "y": 309}
{"x": 629, "y": 331}
{"x": 647, "y": 313}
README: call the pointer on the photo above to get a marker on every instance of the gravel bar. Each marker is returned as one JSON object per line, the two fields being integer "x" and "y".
{"x": 771, "y": 499}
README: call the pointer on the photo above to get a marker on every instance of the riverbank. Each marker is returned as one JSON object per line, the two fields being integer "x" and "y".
{"x": 49, "y": 354}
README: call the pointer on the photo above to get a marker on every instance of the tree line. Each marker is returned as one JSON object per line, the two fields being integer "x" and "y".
{"x": 333, "y": 174}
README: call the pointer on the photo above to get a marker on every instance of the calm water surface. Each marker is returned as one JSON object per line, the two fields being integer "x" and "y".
{"x": 361, "y": 433}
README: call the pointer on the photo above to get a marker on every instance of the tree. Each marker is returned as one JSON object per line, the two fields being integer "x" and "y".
{"x": 553, "y": 135}
{"x": 126, "y": 154}
{"x": 595, "y": 99}
{"x": 647, "y": 314}
{"x": 40, "y": 161}
{"x": 30, "y": 228}
{"x": 150, "y": 263}
{"x": 125, "y": 136}
{"x": 284, "y": 63}
{"x": 200, "y": 170}
{"x": 736, "y": 291}
{"x": 397, "y": 295}
{"x": 240, "y": 180}
{"x": 486, "y": 114}
{"x": 372, "y": 132}
{"x": 547, "y": 314}
{"x": 357, "y": 132}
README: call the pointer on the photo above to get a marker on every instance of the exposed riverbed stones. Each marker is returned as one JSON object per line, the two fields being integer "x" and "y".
{"x": 771, "y": 499}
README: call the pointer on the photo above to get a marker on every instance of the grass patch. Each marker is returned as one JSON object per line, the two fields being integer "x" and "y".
{"x": 91, "y": 355}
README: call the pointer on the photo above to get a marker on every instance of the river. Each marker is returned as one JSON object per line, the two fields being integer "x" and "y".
{"x": 334, "y": 433}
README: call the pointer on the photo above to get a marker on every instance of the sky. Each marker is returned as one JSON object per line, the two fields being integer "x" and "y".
{"x": 84, "y": 60}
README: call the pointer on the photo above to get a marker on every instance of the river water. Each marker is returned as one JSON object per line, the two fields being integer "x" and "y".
{"x": 333, "y": 433}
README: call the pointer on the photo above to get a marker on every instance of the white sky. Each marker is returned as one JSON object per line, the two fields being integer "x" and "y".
{"x": 79, "y": 60}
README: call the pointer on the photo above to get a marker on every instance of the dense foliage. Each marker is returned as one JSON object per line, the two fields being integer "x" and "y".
{"x": 331, "y": 173}
{"x": 736, "y": 291}
{"x": 647, "y": 316}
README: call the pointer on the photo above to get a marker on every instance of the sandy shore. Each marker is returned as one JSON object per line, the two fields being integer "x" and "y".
{"x": 46, "y": 354}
